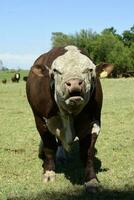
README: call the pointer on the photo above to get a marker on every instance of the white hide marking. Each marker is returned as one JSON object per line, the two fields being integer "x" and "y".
{"x": 49, "y": 176}
{"x": 62, "y": 128}
{"x": 72, "y": 48}
{"x": 76, "y": 139}
{"x": 95, "y": 129}
{"x": 73, "y": 63}
{"x": 17, "y": 75}
{"x": 69, "y": 129}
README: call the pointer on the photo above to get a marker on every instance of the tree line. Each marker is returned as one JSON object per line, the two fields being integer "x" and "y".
{"x": 105, "y": 47}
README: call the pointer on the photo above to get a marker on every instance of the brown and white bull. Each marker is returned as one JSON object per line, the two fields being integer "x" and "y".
{"x": 65, "y": 94}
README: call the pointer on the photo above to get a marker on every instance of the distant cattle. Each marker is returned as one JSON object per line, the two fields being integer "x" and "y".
{"x": 65, "y": 94}
{"x": 25, "y": 78}
{"x": 4, "y": 81}
{"x": 16, "y": 77}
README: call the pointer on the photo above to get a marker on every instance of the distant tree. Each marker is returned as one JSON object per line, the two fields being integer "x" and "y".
{"x": 120, "y": 57}
{"x": 113, "y": 31}
{"x": 132, "y": 54}
{"x": 128, "y": 36}
{"x": 84, "y": 39}
{"x": 1, "y": 64}
{"x": 4, "y": 69}
{"x": 103, "y": 45}
{"x": 109, "y": 30}
{"x": 60, "y": 39}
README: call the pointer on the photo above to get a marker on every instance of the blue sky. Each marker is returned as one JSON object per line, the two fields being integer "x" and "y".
{"x": 26, "y": 25}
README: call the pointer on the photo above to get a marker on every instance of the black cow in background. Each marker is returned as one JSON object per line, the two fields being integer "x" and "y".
{"x": 16, "y": 77}
{"x": 25, "y": 78}
{"x": 4, "y": 81}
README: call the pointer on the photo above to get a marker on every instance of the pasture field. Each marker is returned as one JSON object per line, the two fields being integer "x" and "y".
{"x": 8, "y": 74}
{"x": 21, "y": 170}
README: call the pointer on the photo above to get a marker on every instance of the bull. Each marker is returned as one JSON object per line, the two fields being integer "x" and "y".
{"x": 65, "y": 94}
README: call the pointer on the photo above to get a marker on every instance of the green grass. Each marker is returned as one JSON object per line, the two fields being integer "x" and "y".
{"x": 20, "y": 168}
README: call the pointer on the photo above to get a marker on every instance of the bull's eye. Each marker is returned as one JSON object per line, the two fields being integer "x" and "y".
{"x": 87, "y": 70}
{"x": 56, "y": 71}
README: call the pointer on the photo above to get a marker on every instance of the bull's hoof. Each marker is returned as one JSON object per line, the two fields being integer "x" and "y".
{"x": 93, "y": 186}
{"x": 49, "y": 176}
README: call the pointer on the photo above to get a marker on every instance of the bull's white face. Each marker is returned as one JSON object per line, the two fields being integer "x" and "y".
{"x": 73, "y": 73}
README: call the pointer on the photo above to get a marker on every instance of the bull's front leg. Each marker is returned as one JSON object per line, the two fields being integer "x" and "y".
{"x": 48, "y": 164}
{"x": 87, "y": 153}
{"x": 47, "y": 150}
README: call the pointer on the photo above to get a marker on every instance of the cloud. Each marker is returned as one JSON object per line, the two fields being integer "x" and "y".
{"x": 11, "y": 60}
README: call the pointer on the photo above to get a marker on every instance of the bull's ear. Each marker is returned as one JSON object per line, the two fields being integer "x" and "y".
{"x": 40, "y": 70}
{"x": 104, "y": 69}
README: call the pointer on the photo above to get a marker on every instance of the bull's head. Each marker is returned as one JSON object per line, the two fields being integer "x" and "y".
{"x": 73, "y": 73}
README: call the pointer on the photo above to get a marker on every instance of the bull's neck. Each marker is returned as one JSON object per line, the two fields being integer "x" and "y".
{"x": 69, "y": 131}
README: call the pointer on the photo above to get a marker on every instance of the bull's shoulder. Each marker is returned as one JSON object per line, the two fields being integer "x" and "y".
{"x": 40, "y": 94}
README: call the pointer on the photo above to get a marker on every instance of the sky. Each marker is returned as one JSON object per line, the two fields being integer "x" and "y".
{"x": 26, "y": 26}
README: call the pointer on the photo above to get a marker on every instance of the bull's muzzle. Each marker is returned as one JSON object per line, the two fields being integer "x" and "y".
{"x": 75, "y": 89}
{"x": 74, "y": 85}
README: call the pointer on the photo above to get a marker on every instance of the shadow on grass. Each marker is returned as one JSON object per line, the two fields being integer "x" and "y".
{"x": 73, "y": 168}
{"x": 81, "y": 195}
{"x": 74, "y": 171}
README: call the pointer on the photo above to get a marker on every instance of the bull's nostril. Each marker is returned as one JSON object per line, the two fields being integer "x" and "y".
{"x": 80, "y": 82}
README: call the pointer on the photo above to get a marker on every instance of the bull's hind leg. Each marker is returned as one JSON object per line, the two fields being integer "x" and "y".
{"x": 47, "y": 150}
{"x": 87, "y": 151}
